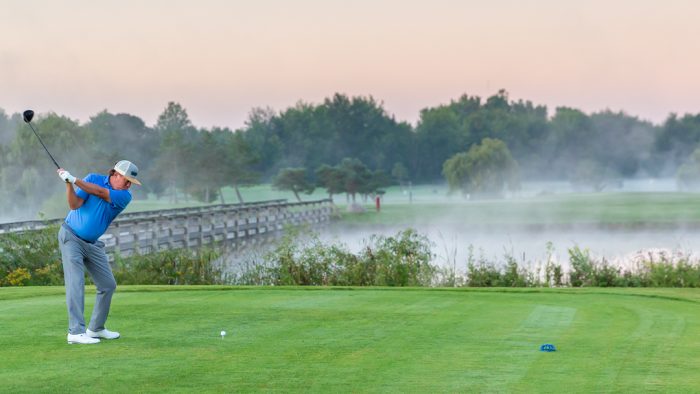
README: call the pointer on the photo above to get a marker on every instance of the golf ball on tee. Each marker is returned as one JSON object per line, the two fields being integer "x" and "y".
{"x": 223, "y": 333}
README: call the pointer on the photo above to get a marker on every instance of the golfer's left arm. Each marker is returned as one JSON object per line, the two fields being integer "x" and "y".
{"x": 95, "y": 190}
{"x": 87, "y": 187}
{"x": 74, "y": 202}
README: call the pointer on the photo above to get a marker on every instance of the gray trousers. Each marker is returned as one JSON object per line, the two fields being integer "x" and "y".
{"x": 77, "y": 255}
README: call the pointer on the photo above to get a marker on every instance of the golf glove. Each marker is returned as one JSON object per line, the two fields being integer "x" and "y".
{"x": 66, "y": 176}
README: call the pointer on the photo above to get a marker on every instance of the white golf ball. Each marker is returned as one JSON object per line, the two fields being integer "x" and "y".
{"x": 223, "y": 333}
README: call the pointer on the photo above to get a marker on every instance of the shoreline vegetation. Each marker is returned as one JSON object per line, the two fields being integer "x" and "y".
{"x": 404, "y": 256}
{"x": 302, "y": 258}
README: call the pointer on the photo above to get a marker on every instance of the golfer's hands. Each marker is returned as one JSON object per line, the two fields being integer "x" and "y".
{"x": 66, "y": 176}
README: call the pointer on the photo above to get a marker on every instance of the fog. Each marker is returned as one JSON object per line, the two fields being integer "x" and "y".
{"x": 532, "y": 189}
{"x": 451, "y": 245}
{"x": 523, "y": 224}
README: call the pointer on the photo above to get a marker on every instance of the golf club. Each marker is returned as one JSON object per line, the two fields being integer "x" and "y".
{"x": 28, "y": 115}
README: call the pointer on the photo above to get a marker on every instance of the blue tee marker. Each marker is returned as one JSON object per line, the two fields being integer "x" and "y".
{"x": 548, "y": 347}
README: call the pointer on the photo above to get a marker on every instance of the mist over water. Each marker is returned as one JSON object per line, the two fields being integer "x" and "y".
{"x": 523, "y": 224}
{"x": 527, "y": 236}
{"x": 452, "y": 244}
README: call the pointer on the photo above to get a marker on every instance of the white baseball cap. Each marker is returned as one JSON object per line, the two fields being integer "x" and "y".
{"x": 128, "y": 169}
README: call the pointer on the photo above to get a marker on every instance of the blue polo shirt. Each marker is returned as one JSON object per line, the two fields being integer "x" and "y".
{"x": 91, "y": 220}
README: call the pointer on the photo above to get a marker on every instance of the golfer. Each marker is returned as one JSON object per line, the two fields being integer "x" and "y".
{"x": 96, "y": 201}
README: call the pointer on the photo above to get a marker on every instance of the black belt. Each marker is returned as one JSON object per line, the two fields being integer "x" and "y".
{"x": 67, "y": 227}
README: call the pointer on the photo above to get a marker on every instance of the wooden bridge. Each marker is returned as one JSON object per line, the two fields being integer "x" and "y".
{"x": 148, "y": 231}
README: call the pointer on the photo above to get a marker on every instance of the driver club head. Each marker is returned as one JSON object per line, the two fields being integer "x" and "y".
{"x": 28, "y": 115}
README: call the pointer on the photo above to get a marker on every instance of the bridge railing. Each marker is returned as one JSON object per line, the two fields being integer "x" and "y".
{"x": 149, "y": 231}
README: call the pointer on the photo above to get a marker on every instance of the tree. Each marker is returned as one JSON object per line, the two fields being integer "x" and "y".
{"x": 239, "y": 163}
{"x": 485, "y": 169}
{"x": 445, "y": 130}
{"x": 378, "y": 179}
{"x": 624, "y": 144}
{"x": 590, "y": 174}
{"x": 677, "y": 139}
{"x": 331, "y": 179}
{"x": 174, "y": 117}
{"x": 8, "y": 128}
{"x": 261, "y": 136}
{"x": 311, "y": 135}
{"x": 177, "y": 136}
{"x": 209, "y": 159}
{"x": 69, "y": 144}
{"x": 293, "y": 179}
{"x": 355, "y": 176}
{"x": 360, "y": 127}
{"x": 688, "y": 174}
{"x": 123, "y": 136}
{"x": 440, "y": 134}
{"x": 571, "y": 140}
{"x": 400, "y": 173}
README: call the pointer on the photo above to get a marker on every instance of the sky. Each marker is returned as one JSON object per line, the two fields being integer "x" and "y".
{"x": 220, "y": 59}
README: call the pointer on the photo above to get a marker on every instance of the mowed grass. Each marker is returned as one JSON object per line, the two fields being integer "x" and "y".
{"x": 613, "y": 209}
{"x": 358, "y": 340}
{"x": 431, "y": 204}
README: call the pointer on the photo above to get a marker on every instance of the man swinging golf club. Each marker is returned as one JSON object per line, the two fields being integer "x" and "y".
{"x": 97, "y": 200}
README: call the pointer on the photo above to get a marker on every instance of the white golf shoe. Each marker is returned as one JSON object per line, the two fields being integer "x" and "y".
{"x": 104, "y": 334}
{"x": 81, "y": 339}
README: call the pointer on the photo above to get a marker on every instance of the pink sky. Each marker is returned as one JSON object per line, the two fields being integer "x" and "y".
{"x": 220, "y": 59}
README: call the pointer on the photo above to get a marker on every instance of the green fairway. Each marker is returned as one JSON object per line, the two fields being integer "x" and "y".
{"x": 614, "y": 209}
{"x": 358, "y": 340}
{"x": 431, "y": 205}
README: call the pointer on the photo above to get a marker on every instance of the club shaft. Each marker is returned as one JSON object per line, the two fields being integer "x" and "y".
{"x": 42, "y": 144}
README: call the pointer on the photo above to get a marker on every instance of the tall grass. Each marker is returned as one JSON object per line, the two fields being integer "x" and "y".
{"x": 33, "y": 258}
{"x": 170, "y": 267}
{"x": 30, "y": 258}
{"x": 405, "y": 259}
{"x": 301, "y": 258}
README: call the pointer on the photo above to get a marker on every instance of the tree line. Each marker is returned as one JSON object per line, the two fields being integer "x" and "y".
{"x": 178, "y": 158}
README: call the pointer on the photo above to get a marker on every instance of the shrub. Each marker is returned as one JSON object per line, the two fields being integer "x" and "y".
{"x": 169, "y": 267}
{"x": 582, "y": 273}
{"x": 513, "y": 276}
{"x": 34, "y": 252}
{"x": 401, "y": 260}
{"x": 404, "y": 259}
{"x": 553, "y": 273}
{"x": 605, "y": 275}
{"x": 18, "y": 277}
{"x": 303, "y": 260}
{"x": 481, "y": 272}
{"x": 688, "y": 274}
